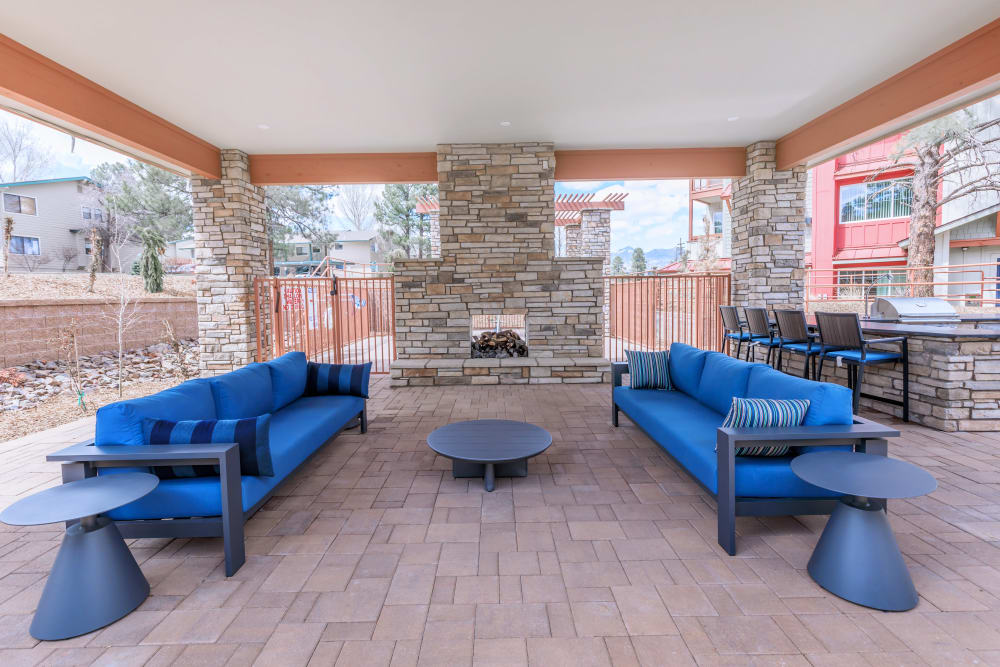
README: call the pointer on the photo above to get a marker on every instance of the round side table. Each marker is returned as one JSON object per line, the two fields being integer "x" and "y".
{"x": 857, "y": 557}
{"x": 95, "y": 579}
{"x": 489, "y": 448}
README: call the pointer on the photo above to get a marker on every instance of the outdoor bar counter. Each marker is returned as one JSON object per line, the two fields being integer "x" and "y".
{"x": 954, "y": 373}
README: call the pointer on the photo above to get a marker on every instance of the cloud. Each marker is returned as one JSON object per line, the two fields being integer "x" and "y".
{"x": 79, "y": 161}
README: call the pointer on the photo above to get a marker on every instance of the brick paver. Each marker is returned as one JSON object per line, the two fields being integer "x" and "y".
{"x": 604, "y": 554}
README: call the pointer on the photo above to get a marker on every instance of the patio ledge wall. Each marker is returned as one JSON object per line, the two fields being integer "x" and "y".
{"x": 29, "y": 329}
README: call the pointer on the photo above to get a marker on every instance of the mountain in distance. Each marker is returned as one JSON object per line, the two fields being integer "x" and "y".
{"x": 658, "y": 257}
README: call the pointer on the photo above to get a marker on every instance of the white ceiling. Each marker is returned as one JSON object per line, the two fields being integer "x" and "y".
{"x": 404, "y": 75}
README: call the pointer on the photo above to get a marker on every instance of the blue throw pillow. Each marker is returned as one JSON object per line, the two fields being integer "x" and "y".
{"x": 341, "y": 379}
{"x": 648, "y": 370}
{"x": 250, "y": 434}
{"x": 762, "y": 413}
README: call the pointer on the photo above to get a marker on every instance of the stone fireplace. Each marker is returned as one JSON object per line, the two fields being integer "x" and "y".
{"x": 497, "y": 226}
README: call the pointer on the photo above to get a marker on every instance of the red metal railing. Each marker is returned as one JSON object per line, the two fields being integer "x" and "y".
{"x": 651, "y": 312}
{"x": 332, "y": 320}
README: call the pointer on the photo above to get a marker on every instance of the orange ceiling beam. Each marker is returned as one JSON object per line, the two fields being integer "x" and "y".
{"x": 960, "y": 73}
{"x": 650, "y": 164}
{"x": 31, "y": 79}
{"x": 343, "y": 168}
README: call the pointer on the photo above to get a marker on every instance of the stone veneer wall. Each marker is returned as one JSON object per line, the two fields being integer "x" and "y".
{"x": 497, "y": 222}
{"x": 435, "y": 235}
{"x": 768, "y": 232}
{"x": 230, "y": 250}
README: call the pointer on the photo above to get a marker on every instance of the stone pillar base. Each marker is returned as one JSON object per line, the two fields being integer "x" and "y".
{"x": 520, "y": 370}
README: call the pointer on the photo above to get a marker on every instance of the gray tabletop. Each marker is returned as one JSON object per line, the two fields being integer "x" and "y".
{"x": 859, "y": 474}
{"x": 76, "y": 500}
{"x": 489, "y": 440}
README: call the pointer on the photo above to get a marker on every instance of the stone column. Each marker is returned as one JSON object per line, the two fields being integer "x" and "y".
{"x": 595, "y": 235}
{"x": 435, "y": 234}
{"x": 230, "y": 249}
{"x": 574, "y": 241}
{"x": 768, "y": 232}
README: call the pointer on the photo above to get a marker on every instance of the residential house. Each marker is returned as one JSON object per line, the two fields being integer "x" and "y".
{"x": 353, "y": 249}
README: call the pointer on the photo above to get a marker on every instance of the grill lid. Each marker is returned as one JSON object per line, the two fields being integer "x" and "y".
{"x": 913, "y": 308}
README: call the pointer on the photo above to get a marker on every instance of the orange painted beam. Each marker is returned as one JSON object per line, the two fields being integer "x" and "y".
{"x": 650, "y": 164}
{"x": 960, "y": 73}
{"x": 343, "y": 168}
{"x": 974, "y": 243}
{"x": 33, "y": 80}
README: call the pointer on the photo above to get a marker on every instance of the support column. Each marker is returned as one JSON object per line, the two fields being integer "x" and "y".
{"x": 230, "y": 249}
{"x": 435, "y": 234}
{"x": 768, "y": 232}
{"x": 595, "y": 235}
{"x": 574, "y": 241}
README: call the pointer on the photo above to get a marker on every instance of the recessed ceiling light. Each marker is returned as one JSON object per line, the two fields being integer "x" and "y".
{"x": 732, "y": 118}
{"x": 505, "y": 123}
{"x": 263, "y": 126}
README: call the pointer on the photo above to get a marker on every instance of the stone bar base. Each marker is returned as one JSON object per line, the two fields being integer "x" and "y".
{"x": 954, "y": 382}
{"x": 522, "y": 370}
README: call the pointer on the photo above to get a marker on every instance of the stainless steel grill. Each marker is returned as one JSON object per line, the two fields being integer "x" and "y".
{"x": 914, "y": 310}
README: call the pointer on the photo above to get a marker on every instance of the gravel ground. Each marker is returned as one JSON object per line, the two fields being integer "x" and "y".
{"x": 74, "y": 286}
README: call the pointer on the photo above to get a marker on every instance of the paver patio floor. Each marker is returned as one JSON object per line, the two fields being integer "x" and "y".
{"x": 604, "y": 554}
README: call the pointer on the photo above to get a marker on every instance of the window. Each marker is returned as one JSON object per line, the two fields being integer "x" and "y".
{"x": 877, "y": 282}
{"x": 338, "y": 246}
{"x": 301, "y": 250}
{"x": 85, "y": 211}
{"x": 876, "y": 200}
{"x": 717, "y": 222}
{"x": 19, "y": 204}
{"x": 98, "y": 215}
{"x": 87, "y": 248}
{"x": 24, "y": 245}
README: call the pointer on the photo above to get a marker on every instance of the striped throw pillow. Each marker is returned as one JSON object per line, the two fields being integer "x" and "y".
{"x": 250, "y": 434}
{"x": 341, "y": 379}
{"x": 761, "y": 413}
{"x": 648, "y": 370}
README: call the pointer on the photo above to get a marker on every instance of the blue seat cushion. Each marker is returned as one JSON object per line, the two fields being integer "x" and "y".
{"x": 686, "y": 430}
{"x": 738, "y": 336}
{"x": 828, "y": 403}
{"x": 722, "y": 379}
{"x": 250, "y": 434}
{"x": 338, "y": 379}
{"x": 686, "y": 364}
{"x": 288, "y": 378}
{"x": 295, "y": 432}
{"x": 121, "y": 423}
{"x": 873, "y": 356}
{"x": 765, "y": 340}
{"x": 802, "y": 348}
{"x": 243, "y": 393}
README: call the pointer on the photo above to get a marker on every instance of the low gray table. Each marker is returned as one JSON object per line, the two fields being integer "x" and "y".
{"x": 95, "y": 579}
{"x": 489, "y": 448}
{"x": 857, "y": 557}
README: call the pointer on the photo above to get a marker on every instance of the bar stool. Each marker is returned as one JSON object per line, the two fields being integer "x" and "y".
{"x": 760, "y": 332}
{"x": 794, "y": 336}
{"x": 841, "y": 338}
{"x": 733, "y": 329}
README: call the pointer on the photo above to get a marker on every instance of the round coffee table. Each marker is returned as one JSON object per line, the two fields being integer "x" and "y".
{"x": 857, "y": 557}
{"x": 95, "y": 579}
{"x": 489, "y": 448}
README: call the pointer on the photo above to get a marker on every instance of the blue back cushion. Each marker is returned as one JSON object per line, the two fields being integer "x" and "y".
{"x": 341, "y": 379}
{"x": 121, "y": 423}
{"x": 722, "y": 379}
{"x": 648, "y": 370}
{"x": 243, "y": 393}
{"x": 250, "y": 434}
{"x": 288, "y": 378}
{"x": 686, "y": 364}
{"x": 828, "y": 403}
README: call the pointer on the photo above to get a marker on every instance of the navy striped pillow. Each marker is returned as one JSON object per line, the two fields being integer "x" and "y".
{"x": 340, "y": 379}
{"x": 648, "y": 370}
{"x": 762, "y": 413}
{"x": 250, "y": 434}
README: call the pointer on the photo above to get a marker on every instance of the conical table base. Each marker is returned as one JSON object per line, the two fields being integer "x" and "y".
{"x": 857, "y": 558}
{"x": 94, "y": 582}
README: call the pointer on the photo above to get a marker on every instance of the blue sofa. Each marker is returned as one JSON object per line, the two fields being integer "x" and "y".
{"x": 213, "y": 506}
{"x": 686, "y": 421}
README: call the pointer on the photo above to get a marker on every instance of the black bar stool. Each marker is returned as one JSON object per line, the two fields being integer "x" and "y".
{"x": 841, "y": 338}
{"x": 794, "y": 336}
{"x": 733, "y": 328}
{"x": 761, "y": 332}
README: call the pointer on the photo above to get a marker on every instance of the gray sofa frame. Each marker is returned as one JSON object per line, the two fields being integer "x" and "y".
{"x": 864, "y": 435}
{"x": 83, "y": 459}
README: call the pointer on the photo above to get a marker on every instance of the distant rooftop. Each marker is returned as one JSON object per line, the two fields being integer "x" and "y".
{"x": 45, "y": 180}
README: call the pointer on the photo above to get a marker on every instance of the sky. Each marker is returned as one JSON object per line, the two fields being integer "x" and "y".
{"x": 655, "y": 214}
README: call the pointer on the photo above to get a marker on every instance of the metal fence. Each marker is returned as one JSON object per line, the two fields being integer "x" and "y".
{"x": 651, "y": 312}
{"x": 332, "y": 320}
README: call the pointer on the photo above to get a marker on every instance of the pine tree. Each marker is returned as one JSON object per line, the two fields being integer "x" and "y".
{"x": 406, "y": 232}
{"x": 150, "y": 266}
{"x": 638, "y": 261}
{"x": 617, "y": 265}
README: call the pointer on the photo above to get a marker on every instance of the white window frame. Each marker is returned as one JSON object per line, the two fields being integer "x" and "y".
{"x": 38, "y": 242}
{"x": 18, "y": 212}
{"x": 85, "y": 213}
{"x": 882, "y": 184}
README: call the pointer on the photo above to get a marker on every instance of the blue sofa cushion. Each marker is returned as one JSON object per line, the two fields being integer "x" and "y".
{"x": 648, "y": 370}
{"x": 722, "y": 378}
{"x": 686, "y": 364}
{"x": 250, "y": 434}
{"x": 338, "y": 379}
{"x": 764, "y": 413}
{"x": 828, "y": 403}
{"x": 243, "y": 393}
{"x": 295, "y": 433}
{"x": 686, "y": 430}
{"x": 121, "y": 423}
{"x": 288, "y": 378}
{"x": 874, "y": 356}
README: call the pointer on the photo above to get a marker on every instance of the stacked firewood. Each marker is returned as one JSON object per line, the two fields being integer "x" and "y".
{"x": 499, "y": 345}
